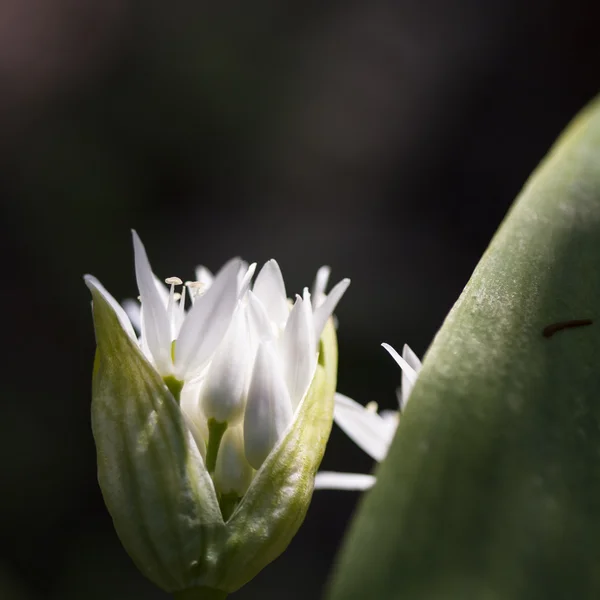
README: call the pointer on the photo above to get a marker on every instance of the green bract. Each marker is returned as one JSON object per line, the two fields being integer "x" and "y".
{"x": 158, "y": 491}
{"x": 491, "y": 488}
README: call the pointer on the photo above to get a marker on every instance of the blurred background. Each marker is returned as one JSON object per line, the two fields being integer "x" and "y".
{"x": 384, "y": 138}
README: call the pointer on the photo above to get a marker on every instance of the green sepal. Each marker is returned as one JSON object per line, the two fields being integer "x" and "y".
{"x": 491, "y": 489}
{"x": 150, "y": 472}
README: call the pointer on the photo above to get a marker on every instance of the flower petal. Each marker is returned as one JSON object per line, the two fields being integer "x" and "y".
{"x": 299, "y": 349}
{"x": 365, "y": 428}
{"x": 162, "y": 289}
{"x": 189, "y": 401}
{"x": 156, "y": 331}
{"x": 407, "y": 385}
{"x": 94, "y": 284}
{"x": 270, "y": 290}
{"x": 133, "y": 311}
{"x": 268, "y": 408}
{"x": 320, "y": 284}
{"x": 204, "y": 276}
{"x": 207, "y": 321}
{"x": 245, "y": 278}
{"x": 411, "y": 374}
{"x": 330, "y": 480}
{"x": 261, "y": 327}
{"x": 325, "y": 310}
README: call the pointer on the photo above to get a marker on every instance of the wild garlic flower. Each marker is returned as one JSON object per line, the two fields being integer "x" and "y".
{"x": 211, "y": 421}
{"x": 371, "y": 431}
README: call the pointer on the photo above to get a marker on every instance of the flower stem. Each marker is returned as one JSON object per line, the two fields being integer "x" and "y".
{"x": 174, "y": 386}
{"x": 200, "y": 593}
{"x": 215, "y": 434}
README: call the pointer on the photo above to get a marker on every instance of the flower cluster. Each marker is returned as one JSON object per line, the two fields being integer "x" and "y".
{"x": 211, "y": 408}
{"x": 370, "y": 431}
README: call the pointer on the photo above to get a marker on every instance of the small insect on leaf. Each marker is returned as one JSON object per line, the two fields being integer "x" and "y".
{"x": 550, "y": 330}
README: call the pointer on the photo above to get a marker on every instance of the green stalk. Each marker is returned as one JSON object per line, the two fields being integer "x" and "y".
{"x": 215, "y": 435}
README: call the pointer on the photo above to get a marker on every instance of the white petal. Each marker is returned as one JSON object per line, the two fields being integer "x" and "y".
{"x": 411, "y": 358}
{"x": 189, "y": 401}
{"x": 325, "y": 310}
{"x": 207, "y": 321}
{"x": 155, "y": 324}
{"x": 179, "y": 313}
{"x": 162, "y": 289}
{"x": 204, "y": 276}
{"x": 407, "y": 385}
{"x": 224, "y": 390}
{"x": 270, "y": 290}
{"x": 233, "y": 473}
{"x": 143, "y": 344}
{"x": 197, "y": 433}
{"x": 133, "y": 311}
{"x": 94, "y": 284}
{"x": 329, "y": 480}
{"x": 364, "y": 427}
{"x": 260, "y": 325}
{"x": 268, "y": 408}
{"x": 320, "y": 284}
{"x": 299, "y": 349}
{"x": 391, "y": 418}
{"x": 408, "y": 374}
{"x": 245, "y": 278}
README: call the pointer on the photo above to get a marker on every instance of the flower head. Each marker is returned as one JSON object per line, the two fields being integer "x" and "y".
{"x": 210, "y": 422}
{"x": 370, "y": 430}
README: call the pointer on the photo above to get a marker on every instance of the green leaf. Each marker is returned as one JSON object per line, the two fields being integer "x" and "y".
{"x": 491, "y": 489}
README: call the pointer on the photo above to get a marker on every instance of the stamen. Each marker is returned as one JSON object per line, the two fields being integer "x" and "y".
{"x": 182, "y": 305}
{"x": 173, "y": 297}
{"x": 196, "y": 289}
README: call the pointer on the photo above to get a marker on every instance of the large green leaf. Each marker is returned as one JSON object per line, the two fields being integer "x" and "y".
{"x": 491, "y": 489}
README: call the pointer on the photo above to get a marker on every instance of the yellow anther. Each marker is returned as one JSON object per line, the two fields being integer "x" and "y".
{"x": 173, "y": 281}
{"x": 372, "y": 407}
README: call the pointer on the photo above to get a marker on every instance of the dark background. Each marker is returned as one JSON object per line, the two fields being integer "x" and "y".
{"x": 386, "y": 139}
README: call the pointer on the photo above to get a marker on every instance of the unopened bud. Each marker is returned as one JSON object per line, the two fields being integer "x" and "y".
{"x": 268, "y": 408}
{"x": 233, "y": 474}
{"x": 224, "y": 392}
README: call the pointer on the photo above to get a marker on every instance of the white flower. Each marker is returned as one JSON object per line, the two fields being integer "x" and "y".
{"x": 210, "y": 422}
{"x": 371, "y": 431}
{"x": 239, "y": 352}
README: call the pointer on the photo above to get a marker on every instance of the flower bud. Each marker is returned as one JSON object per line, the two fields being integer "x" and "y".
{"x": 268, "y": 409}
{"x": 299, "y": 349}
{"x": 224, "y": 391}
{"x": 233, "y": 474}
{"x": 174, "y": 465}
